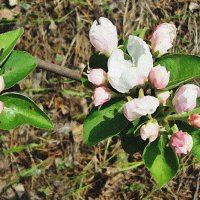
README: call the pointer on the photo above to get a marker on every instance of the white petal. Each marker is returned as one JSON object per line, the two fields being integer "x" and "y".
{"x": 103, "y": 35}
{"x": 105, "y": 39}
{"x": 93, "y": 28}
{"x": 121, "y": 73}
{"x": 141, "y": 55}
{"x": 107, "y": 24}
{"x": 2, "y": 84}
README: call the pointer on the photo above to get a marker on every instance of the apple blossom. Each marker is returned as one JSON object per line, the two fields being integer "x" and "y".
{"x": 181, "y": 142}
{"x": 159, "y": 77}
{"x": 1, "y": 106}
{"x": 163, "y": 37}
{"x": 185, "y": 98}
{"x": 138, "y": 107}
{"x": 101, "y": 95}
{"x": 103, "y": 36}
{"x": 2, "y": 84}
{"x": 194, "y": 120}
{"x": 124, "y": 74}
{"x": 97, "y": 77}
{"x": 163, "y": 96}
{"x": 150, "y": 131}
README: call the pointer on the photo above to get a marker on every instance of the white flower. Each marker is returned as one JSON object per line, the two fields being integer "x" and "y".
{"x": 138, "y": 107}
{"x": 123, "y": 74}
{"x": 163, "y": 37}
{"x": 150, "y": 130}
{"x": 103, "y": 36}
{"x": 185, "y": 98}
{"x": 2, "y": 84}
{"x": 163, "y": 96}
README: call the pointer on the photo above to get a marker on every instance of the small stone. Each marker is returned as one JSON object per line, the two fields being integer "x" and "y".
{"x": 53, "y": 26}
{"x": 19, "y": 188}
{"x": 194, "y": 6}
{"x": 13, "y": 2}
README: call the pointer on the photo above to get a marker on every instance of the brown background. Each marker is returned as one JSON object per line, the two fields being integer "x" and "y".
{"x": 62, "y": 167}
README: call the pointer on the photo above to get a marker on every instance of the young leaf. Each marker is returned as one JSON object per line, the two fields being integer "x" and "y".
{"x": 18, "y": 110}
{"x": 105, "y": 122}
{"x": 132, "y": 144}
{"x": 183, "y": 68}
{"x": 140, "y": 32}
{"x": 8, "y": 41}
{"x": 17, "y": 67}
{"x": 196, "y": 144}
{"x": 161, "y": 161}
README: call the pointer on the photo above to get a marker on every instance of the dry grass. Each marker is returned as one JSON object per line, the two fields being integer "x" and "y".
{"x": 60, "y": 166}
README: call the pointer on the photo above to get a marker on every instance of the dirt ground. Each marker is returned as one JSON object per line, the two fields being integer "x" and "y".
{"x": 43, "y": 165}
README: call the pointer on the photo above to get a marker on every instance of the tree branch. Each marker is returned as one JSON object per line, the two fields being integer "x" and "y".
{"x": 63, "y": 71}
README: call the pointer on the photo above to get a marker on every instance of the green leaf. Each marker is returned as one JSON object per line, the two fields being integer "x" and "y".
{"x": 8, "y": 41}
{"x": 17, "y": 67}
{"x": 161, "y": 161}
{"x": 84, "y": 79}
{"x": 130, "y": 137}
{"x": 184, "y": 126}
{"x": 18, "y": 110}
{"x": 183, "y": 68}
{"x": 196, "y": 144}
{"x": 98, "y": 61}
{"x": 133, "y": 128}
{"x": 132, "y": 144}
{"x": 105, "y": 122}
{"x": 85, "y": 82}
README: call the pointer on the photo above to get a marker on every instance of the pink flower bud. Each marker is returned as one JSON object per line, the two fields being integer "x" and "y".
{"x": 101, "y": 95}
{"x": 1, "y": 106}
{"x": 163, "y": 96}
{"x": 97, "y": 77}
{"x": 159, "y": 77}
{"x": 103, "y": 36}
{"x": 136, "y": 108}
{"x": 2, "y": 84}
{"x": 150, "y": 130}
{"x": 163, "y": 37}
{"x": 185, "y": 98}
{"x": 181, "y": 142}
{"x": 194, "y": 120}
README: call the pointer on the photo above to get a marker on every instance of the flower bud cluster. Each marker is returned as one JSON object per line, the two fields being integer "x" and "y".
{"x": 125, "y": 73}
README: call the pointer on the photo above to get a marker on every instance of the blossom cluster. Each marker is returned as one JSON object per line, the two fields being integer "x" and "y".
{"x": 134, "y": 69}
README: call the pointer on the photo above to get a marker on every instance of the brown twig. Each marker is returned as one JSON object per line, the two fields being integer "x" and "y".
{"x": 63, "y": 71}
